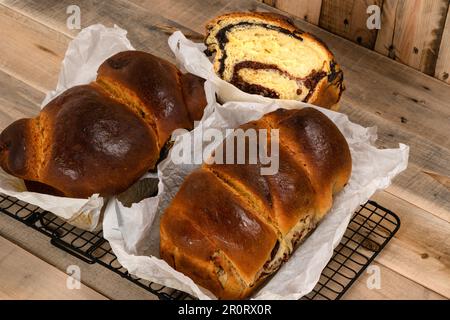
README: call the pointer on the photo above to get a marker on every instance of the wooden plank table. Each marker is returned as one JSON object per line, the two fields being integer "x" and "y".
{"x": 406, "y": 106}
{"x": 25, "y": 276}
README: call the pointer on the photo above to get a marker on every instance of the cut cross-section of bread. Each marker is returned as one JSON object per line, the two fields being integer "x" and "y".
{"x": 265, "y": 54}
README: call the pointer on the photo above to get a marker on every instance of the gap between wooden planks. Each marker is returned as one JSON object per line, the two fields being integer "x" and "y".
{"x": 24, "y": 276}
{"x": 98, "y": 21}
{"x": 412, "y": 31}
{"x": 443, "y": 63}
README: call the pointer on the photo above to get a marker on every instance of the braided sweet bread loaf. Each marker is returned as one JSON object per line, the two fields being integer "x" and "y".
{"x": 229, "y": 227}
{"x": 102, "y": 137}
{"x": 265, "y": 54}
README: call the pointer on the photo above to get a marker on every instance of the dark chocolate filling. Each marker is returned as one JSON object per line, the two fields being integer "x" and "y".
{"x": 253, "y": 88}
{"x": 297, "y": 238}
{"x": 274, "y": 251}
{"x": 310, "y": 81}
{"x": 337, "y": 77}
{"x": 222, "y": 37}
{"x": 333, "y": 73}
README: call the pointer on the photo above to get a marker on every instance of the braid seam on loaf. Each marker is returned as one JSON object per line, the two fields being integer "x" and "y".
{"x": 129, "y": 100}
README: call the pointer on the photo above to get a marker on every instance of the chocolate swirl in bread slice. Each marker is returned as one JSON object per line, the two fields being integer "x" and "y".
{"x": 266, "y": 54}
{"x": 229, "y": 227}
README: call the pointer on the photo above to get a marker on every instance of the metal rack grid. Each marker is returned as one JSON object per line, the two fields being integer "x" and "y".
{"x": 369, "y": 231}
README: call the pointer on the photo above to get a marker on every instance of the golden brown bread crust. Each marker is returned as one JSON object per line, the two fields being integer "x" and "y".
{"x": 157, "y": 87}
{"x": 85, "y": 143}
{"x": 312, "y": 139}
{"x": 328, "y": 90}
{"x": 102, "y": 137}
{"x": 194, "y": 96}
{"x": 275, "y": 18}
{"x": 13, "y": 156}
{"x": 249, "y": 223}
{"x": 225, "y": 219}
{"x": 193, "y": 250}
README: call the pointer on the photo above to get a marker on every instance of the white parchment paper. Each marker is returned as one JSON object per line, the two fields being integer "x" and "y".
{"x": 134, "y": 232}
{"x": 84, "y": 55}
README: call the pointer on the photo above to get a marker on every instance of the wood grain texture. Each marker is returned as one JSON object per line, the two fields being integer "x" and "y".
{"x": 394, "y": 99}
{"x": 444, "y": 180}
{"x": 415, "y": 34}
{"x": 304, "y": 9}
{"x": 412, "y": 31}
{"x": 348, "y": 19}
{"x": 385, "y": 36}
{"x": 17, "y": 100}
{"x": 393, "y": 286}
{"x": 150, "y": 32}
{"x": 421, "y": 249}
{"x": 95, "y": 276}
{"x": 442, "y": 71}
{"x": 194, "y": 14}
{"x": 24, "y": 276}
{"x": 34, "y": 54}
{"x": 415, "y": 265}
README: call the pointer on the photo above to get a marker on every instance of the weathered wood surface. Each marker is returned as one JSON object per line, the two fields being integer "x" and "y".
{"x": 393, "y": 286}
{"x": 414, "y": 32}
{"x": 25, "y": 276}
{"x": 406, "y": 105}
{"x": 348, "y": 19}
{"x": 443, "y": 62}
{"x": 304, "y": 9}
{"x": 95, "y": 276}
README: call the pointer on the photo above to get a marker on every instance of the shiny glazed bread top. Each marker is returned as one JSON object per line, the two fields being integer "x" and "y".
{"x": 229, "y": 227}
{"x": 101, "y": 137}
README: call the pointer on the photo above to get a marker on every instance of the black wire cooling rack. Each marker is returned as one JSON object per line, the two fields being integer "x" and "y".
{"x": 369, "y": 231}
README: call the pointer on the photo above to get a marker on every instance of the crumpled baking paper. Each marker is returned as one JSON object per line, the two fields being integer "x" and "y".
{"x": 84, "y": 55}
{"x": 133, "y": 233}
